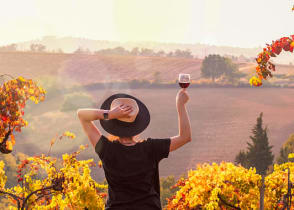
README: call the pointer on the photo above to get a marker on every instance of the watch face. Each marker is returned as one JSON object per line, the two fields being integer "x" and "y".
{"x": 105, "y": 116}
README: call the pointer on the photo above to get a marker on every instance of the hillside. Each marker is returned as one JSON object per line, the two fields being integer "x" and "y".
{"x": 78, "y": 69}
{"x": 86, "y": 69}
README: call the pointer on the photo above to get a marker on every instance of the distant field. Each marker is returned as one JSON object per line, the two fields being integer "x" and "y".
{"x": 73, "y": 69}
{"x": 221, "y": 120}
{"x": 86, "y": 69}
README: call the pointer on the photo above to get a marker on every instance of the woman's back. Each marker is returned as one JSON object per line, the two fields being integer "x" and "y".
{"x": 132, "y": 171}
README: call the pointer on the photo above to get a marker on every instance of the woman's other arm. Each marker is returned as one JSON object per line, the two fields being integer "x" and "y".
{"x": 86, "y": 117}
{"x": 184, "y": 135}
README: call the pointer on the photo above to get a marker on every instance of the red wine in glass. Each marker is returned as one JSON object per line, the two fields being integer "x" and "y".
{"x": 184, "y": 84}
{"x": 184, "y": 80}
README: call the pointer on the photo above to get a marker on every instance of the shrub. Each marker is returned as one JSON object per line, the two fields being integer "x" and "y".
{"x": 75, "y": 101}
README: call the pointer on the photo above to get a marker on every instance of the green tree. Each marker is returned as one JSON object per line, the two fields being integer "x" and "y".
{"x": 50, "y": 84}
{"x": 135, "y": 51}
{"x": 166, "y": 189}
{"x": 37, "y": 47}
{"x": 214, "y": 66}
{"x": 160, "y": 53}
{"x": 8, "y": 48}
{"x": 147, "y": 52}
{"x": 120, "y": 51}
{"x": 75, "y": 100}
{"x": 259, "y": 154}
{"x": 288, "y": 147}
{"x": 231, "y": 72}
{"x": 242, "y": 159}
{"x": 183, "y": 53}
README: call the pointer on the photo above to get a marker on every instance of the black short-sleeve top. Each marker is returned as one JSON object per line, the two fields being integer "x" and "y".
{"x": 132, "y": 172}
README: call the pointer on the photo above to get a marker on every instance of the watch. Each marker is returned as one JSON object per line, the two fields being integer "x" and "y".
{"x": 105, "y": 115}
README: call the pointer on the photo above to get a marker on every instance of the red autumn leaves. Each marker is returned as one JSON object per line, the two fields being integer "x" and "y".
{"x": 13, "y": 96}
{"x": 265, "y": 67}
{"x": 20, "y": 168}
{"x": 285, "y": 43}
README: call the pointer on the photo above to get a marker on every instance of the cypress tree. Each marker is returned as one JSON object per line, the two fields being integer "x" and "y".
{"x": 259, "y": 154}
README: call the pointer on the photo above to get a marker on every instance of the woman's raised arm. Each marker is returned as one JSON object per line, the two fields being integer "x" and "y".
{"x": 184, "y": 135}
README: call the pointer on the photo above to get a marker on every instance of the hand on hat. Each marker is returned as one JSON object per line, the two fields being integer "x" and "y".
{"x": 121, "y": 111}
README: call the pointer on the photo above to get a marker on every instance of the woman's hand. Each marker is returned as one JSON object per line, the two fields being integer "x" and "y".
{"x": 182, "y": 97}
{"x": 121, "y": 111}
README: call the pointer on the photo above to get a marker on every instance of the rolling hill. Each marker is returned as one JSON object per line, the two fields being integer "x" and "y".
{"x": 87, "y": 69}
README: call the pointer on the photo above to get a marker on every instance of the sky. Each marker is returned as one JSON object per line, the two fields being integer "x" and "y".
{"x": 237, "y": 23}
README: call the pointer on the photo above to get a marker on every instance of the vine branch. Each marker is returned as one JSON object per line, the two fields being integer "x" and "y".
{"x": 226, "y": 203}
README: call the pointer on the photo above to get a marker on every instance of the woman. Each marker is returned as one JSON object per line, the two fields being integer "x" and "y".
{"x": 131, "y": 166}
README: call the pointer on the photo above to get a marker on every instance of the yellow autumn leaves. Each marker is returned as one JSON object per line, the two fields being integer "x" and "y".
{"x": 204, "y": 185}
{"x": 210, "y": 184}
{"x": 66, "y": 134}
{"x": 255, "y": 81}
{"x": 79, "y": 190}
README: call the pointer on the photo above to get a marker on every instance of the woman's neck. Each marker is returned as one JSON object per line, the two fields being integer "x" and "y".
{"x": 127, "y": 141}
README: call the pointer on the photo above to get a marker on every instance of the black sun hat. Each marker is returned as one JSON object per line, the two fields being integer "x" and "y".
{"x": 126, "y": 127}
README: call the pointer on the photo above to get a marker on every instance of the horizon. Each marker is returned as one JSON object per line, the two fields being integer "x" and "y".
{"x": 126, "y": 42}
{"x": 207, "y": 22}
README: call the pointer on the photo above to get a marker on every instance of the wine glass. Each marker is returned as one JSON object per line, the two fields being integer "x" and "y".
{"x": 184, "y": 80}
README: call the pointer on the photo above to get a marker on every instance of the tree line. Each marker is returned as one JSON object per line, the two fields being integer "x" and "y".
{"x": 136, "y": 51}
{"x": 33, "y": 48}
{"x": 109, "y": 51}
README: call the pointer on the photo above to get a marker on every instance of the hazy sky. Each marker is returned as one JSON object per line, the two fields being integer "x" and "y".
{"x": 243, "y": 23}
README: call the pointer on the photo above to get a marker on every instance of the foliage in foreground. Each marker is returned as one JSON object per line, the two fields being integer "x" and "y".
{"x": 43, "y": 182}
{"x": 47, "y": 183}
{"x": 218, "y": 186}
{"x": 166, "y": 189}
{"x": 13, "y": 97}
{"x": 206, "y": 186}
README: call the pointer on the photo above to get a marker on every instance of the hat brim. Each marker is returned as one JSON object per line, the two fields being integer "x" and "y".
{"x": 126, "y": 129}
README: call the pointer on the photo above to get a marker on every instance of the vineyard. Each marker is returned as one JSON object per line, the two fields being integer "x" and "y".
{"x": 47, "y": 182}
